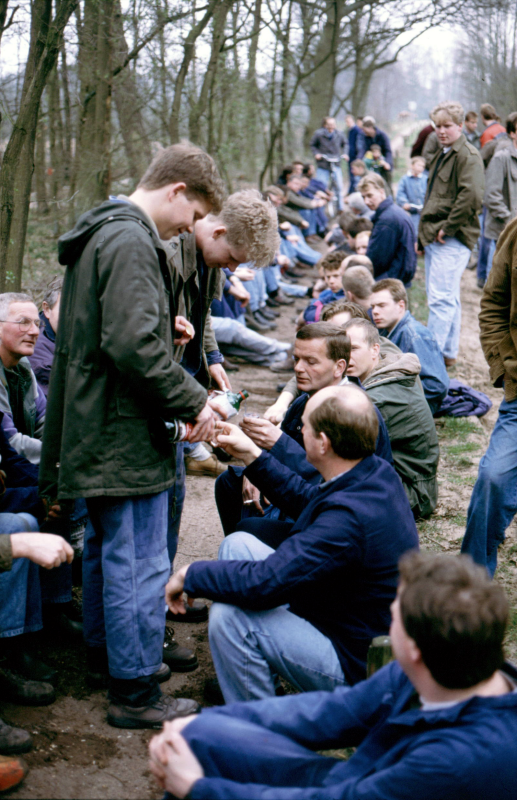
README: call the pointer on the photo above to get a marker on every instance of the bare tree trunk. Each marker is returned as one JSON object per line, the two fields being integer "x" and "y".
{"x": 18, "y": 162}
{"x": 253, "y": 93}
{"x": 67, "y": 133}
{"x": 40, "y": 171}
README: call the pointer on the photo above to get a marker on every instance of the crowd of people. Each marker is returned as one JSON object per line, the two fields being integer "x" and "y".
{"x": 165, "y": 292}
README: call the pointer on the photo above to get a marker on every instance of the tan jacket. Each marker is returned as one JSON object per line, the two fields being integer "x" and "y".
{"x": 454, "y": 202}
{"x": 498, "y": 317}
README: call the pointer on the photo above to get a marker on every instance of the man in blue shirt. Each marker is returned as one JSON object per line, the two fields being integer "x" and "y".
{"x": 389, "y": 311}
{"x": 308, "y": 610}
{"x": 440, "y": 722}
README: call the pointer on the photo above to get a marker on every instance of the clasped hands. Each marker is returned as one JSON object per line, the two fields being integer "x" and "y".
{"x": 171, "y": 761}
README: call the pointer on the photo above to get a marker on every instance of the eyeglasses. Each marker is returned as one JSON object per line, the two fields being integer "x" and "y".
{"x": 25, "y": 323}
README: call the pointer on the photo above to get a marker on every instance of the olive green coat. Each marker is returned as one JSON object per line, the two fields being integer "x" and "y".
{"x": 114, "y": 379}
{"x": 454, "y": 203}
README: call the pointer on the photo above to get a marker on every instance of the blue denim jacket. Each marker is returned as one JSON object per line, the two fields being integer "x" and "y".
{"x": 413, "y": 337}
{"x": 467, "y": 751}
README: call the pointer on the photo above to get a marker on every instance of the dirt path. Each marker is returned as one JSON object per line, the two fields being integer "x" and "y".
{"x": 76, "y": 754}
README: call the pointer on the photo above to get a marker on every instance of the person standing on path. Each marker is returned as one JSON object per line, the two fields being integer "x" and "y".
{"x": 114, "y": 384}
{"x": 327, "y": 141}
{"x": 449, "y": 224}
{"x": 494, "y": 498}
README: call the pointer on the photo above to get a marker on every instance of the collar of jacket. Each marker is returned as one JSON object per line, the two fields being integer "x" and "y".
{"x": 451, "y": 714}
{"x": 382, "y": 207}
{"x": 393, "y": 367}
{"x": 400, "y": 324}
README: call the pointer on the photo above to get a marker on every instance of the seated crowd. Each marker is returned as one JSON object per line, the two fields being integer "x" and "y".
{"x": 320, "y": 549}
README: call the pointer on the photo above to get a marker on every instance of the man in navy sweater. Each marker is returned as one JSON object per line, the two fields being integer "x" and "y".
{"x": 308, "y": 610}
{"x": 392, "y": 244}
{"x": 440, "y": 722}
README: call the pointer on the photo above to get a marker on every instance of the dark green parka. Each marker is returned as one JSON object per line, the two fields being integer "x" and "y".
{"x": 114, "y": 379}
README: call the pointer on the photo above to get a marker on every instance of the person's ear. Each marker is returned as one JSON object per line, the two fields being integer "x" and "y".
{"x": 219, "y": 231}
{"x": 324, "y": 443}
{"x": 175, "y": 189}
{"x": 340, "y": 367}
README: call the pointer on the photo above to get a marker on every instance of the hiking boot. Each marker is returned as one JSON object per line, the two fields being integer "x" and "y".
{"x": 178, "y": 658}
{"x": 283, "y": 299}
{"x": 153, "y": 716}
{"x": 12, "y": 772}
{"x": 286, "y": 365}
{"x": 210, "y": 467}
{"x": 268, "y": 313}
{"x": 229, "y": 366}
{"x": 25, "y": 663}
{"x": 24, "y": 692}
{"x": 196, "y": 613}
{"x": 97, "y": 675}
{"x": 13, "y": 740}
{"x": 258, "y": 315}
{"x": 257, "y": 325}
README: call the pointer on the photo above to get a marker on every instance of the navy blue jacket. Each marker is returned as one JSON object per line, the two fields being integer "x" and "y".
{"x": 354, "y": 134}
{"x": 392, "y": 243}
{"x": 413, "y": 337}
{"x": 21, "y": 481}
{"x": 465, "y": 752}
{"x": 338, "y": 568}
{"x": 43, "y": 356}
{"x": 364, "y": 144}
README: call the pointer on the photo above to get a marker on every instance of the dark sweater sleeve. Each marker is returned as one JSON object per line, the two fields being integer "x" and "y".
{"x": 281, "y": 485}
{"x": 6, "y": 553}
{"x": 330, "y": 541}
{"x": 382, "y": 247}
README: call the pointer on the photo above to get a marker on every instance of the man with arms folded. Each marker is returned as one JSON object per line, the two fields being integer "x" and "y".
{"x": 308, "y": 610}
{"x": 440, "y": 722}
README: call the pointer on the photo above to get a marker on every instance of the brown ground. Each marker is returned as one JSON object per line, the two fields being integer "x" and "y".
{"x": 76, "y": 754}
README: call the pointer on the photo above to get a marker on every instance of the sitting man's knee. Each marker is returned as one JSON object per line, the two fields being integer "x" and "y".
{"x": 236, "y": 546}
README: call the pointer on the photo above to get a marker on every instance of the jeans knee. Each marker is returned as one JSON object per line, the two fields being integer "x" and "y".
{"x": 222, "y": 618}
{"x": 236, "y": 546}
{"x": 12, "y": 523}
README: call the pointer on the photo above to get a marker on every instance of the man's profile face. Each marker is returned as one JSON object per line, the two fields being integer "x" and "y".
{"x": 52, "y": 314}
{"x": 180, "y": 212}
{"x": 373, "y": 197}
{"x": 363, "y": 358}
{"x": 14, "y": 341}
{"x": 333, "y": 279}
{"x": 218, "y": 253}
{"x": 369, "y": 130}
{"x": 447, "y": 131}
{"x": 313, "y": 368}
{"x": 361, "y": 243}
{"x": 386, "y": 312}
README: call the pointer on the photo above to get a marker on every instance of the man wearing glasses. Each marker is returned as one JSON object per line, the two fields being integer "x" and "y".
{"x": 21, "y": 399}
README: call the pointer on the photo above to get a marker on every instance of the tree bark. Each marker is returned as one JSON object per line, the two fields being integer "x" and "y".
{"x": 18, "y": 162}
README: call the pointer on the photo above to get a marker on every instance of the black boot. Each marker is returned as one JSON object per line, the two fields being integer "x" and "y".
{"x": 13, "y": 740}
{"x": 21, "y": 659}
{"x": 23, "y": 692}
{"x": 179, "y": 659}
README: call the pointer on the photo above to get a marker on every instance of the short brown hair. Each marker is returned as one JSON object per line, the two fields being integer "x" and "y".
{"x": 351, "y": 428}
{"x": 451, "y": 108}
{"x": 395, "y": 287}
{"x": 53, "y": 290}
{"x": 359, "y": 261}
{"x": 358, "y": 162}
{"x": 470, "y": 115}
{"x": 332, "y": 261}
{"x": 371, "y": 334}
{"x": 345, "y": 219}
{"x": 338, "y": 343}
{"x": 359, "y": 281}
{"x": 251, "y": 226}
{"x": 185, "y": 163}
{"x": 487, "y": 111}
{"x": 277, "y": 191}
{"x": 339, "y": 307}
{"x": 359, "y": 225}
{"x": 455, "y": 614}
{"x": 371, "y": 179}
{"x": 511, "y": 122}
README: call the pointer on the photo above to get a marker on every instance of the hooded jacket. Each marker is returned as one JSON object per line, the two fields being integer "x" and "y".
{"x": 114, "y": 379}
{"x": 396, "y": 390}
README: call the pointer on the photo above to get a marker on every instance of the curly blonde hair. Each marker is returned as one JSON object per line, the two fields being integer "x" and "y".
{"x": 452, "y": 109}
{"x": 251, "y": 226}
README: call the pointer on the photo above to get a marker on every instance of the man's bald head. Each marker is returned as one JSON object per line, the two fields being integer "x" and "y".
{"x": 346, "y": 415}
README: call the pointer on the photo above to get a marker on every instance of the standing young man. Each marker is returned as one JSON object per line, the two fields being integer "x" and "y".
{"x": 449, "y": 224}
{"x": 327, "y": 141}
{"x": 113, "y": 384}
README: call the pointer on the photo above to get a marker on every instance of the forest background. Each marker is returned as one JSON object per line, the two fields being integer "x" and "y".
{"x": 90, "y": 89}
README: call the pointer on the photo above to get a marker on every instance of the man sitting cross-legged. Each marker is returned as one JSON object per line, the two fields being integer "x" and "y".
{"x": 391, "y": 381}
{"x": 308, "y": 610}
{"x": 321, "y": 353}
{"x": 389, "y": 303}
{"x": 440, "y": 722}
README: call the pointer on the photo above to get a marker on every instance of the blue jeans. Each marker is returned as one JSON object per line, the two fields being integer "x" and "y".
{"x": 494, "y": 498}
{"x": 125, "y": 569}
{"x": 235, "y": 339}
{"x": 444, "y": 266}
{"x": 323, "y": 175}
{"x": 483, "y": 249}
{"x": 300, "y": 250}
{"x": 20, "y": 592}
{"x": 257, "y": 290}
{"x": 249, "y": 648}
{"x": 491, "y": 252}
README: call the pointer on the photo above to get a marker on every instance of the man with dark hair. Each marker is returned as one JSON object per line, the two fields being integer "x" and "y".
{"x": 470, "y": 129}
{"x": 340, "y": 311}
{"x": 440, "y": 722}
{"x": 389, "y": 304}
{"x": 391, "y": 381}
{"x": 337, "y": 570}
{"x": 321, "y": 354}
{"x": 328, "y": 146}
{"x": 114, "y": 384}
{"x": 492, "y": 123}
{"x": 371, "y": 135}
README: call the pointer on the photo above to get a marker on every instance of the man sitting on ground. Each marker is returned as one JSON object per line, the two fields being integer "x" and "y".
{"x": 392, "y": 318}
{"x": 441, "y": 721}
{"x": 308, "y": 610}
{"x": 321, "y": 354}
{"x": 333, "y": 268}
{"x": 358, "y": 283}
{"x": 391, "y": 381}
{"x": 392, "y": 243}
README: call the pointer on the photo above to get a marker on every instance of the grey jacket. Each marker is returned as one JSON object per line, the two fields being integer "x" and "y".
{"x": 500, "y": 191}
{"x": 26, "y": 444}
